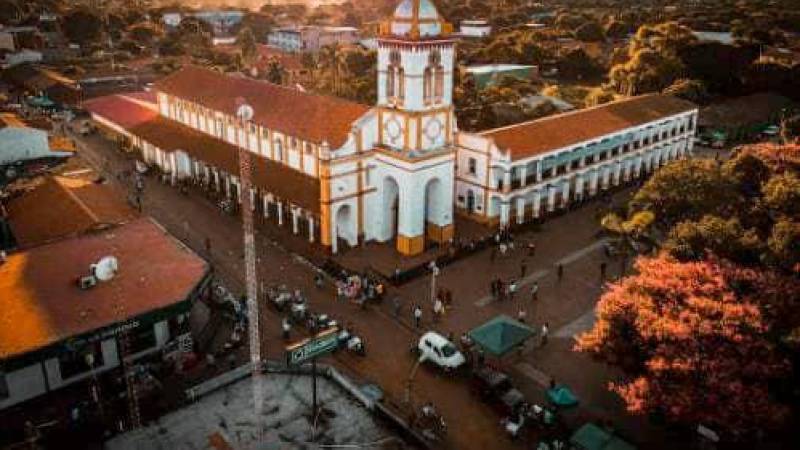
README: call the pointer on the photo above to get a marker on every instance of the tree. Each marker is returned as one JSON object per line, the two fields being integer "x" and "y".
{"x": 628, "y": 234}
{"x": 691, "y": 90}
{"x": 782, "y": 194}
{"x": 143, "y": 33}
{"x": 617, "y": 29}
{"x": 694, "y": 240}
{"x": 784, "y": 243}
{"x": 599, "y": 96}
{"x": 578, "y": 65}
{"x": 275, "y": 73}
{"x": 694, "y": 341}
{"x": 82, "y": 26}
{"x": 246, "y": 41}
{"x": 590, "y": 31}
{"x": 686, "y": 190}
{"x": 790, "y": 129}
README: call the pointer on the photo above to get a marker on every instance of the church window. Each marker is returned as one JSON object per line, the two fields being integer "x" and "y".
{"x": 395, "y": 84}
{"x": 472, "y": 166}
{"x": 433, "y": 79}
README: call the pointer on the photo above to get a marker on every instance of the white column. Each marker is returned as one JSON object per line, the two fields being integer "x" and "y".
{"x": 539, "y": 170}
{"x": 537, "y": 204}
{"x": 637, "y": 171}
{"x": 295, "y": 221}
{"x": 217, "y": 180}
{"x": 227, "y": 187}
{"x": 606, "y": 176}
{"x": 551, "y": 198}
{"x": 280, "y": 213}
{"x": 507, "y": 181}
{"x": 252, "y": 199}
{"x": 265, "y": 202}
{"x": 504, "y": 213}
{"x": 626, "y": 170}
{"x": 311, "y": 229}
{"x": 523, "y": 174}
{"x": 565, "y": 194}
{"x": 579, "y": 186}
{"x": 593, "y": 178}
{"x": 617, "y": 173}
{"x": 521, "y": 210}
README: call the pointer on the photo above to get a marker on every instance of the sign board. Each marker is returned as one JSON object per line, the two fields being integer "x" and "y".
{"x": 318, "y": 345}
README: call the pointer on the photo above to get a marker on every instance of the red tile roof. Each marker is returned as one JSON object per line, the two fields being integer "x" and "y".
{"x": 42, "y": 304}
{"x": 277, "y": 178}
{"x": 562, "y": 130}
{"x": 65, "y": 206}
{"x": 123, "y": 110}
{"x": 310, "y": 117}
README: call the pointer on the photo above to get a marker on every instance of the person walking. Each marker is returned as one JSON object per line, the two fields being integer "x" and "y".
{"x": 560, "y": 270}
{"x": 531, "y": 249}
{"x": 438, "y": 309}
{"x": 286, "y": 327}
{"x": 545, "y": 332}
{"x": 512, "y": 290}
{"x": 522, "y": 315}
{"x": 535, "y": 291}
{"x": 523, "y": 269}
{"x": 417, "y": 316}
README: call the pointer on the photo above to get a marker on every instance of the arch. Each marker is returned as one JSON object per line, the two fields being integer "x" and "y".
{"x": 435, "y": 214}
{"x": 391, "y": 208}
{"x": 345, "y": 226}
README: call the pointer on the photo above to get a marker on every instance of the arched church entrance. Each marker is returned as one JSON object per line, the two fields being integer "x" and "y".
{"x": 434, "y": 211}
{"x": 391, "y": 209}
{"x": 345, "y": 228}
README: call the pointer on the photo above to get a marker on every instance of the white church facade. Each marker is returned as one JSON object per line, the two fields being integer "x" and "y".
{"x": 343, "y": 173}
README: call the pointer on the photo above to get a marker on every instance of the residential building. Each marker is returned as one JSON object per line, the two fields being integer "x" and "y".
{"x": 486, "y": 75}
{"x": 21, "y": 143}
{"x": 475, "y": 28}
{"x": 311, "y": 38}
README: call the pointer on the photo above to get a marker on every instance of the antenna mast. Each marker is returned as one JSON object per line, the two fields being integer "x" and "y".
{"x": 245, "y": 114}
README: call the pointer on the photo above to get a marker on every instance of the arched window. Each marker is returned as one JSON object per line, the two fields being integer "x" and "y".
{"x": 395, "y": 85}
{"x": 433, "y": 79}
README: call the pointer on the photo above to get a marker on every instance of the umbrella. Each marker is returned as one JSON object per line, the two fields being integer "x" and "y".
{"x": 500, "y": 335}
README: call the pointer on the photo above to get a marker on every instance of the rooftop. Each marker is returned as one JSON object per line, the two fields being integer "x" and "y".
{"x": 126, "y": 110}
{"x": 289, "y": 111}
{"x": 64, "y": 206}
{"x": 42, "y": 305}
{"x": 562, "y": 130}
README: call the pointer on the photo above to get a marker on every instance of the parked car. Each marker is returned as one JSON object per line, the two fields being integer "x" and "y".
{"x": 436, "y": 349}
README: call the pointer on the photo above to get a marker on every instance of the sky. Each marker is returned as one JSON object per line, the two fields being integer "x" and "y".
{"x": 250, "y": 4}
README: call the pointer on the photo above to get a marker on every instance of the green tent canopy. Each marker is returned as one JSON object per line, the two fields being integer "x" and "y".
{"x": 592, "y": 437}
{"x": 500, "y": 335}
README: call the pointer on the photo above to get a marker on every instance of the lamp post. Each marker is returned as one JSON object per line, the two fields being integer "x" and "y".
{"x": 434, "y": 273}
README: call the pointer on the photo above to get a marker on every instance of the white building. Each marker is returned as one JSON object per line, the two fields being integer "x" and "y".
{"x": 22, "y": 57}
{"x": 475, "y": 28}
{"x": 311, "y": 38}
{"x": 19, "y": 142}
{"x": 399, "y": 171}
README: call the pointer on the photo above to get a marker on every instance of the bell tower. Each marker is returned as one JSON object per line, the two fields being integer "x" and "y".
{"x": 415, "y": 80}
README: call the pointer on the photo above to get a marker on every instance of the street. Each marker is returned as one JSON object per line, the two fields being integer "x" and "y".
{"x": 566, "y": 304}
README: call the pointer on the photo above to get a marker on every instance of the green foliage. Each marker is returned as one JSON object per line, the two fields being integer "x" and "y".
{"x": 246, "y": 41}
{"x": 784, "y": 243}
{"x": 275, "y": 71}
{"x": 686, "y": 190}
{"x": 590, "y": 32}
{"x": 693, "y": 240}
{"x": 578, "y": 65}
{"x": 691, "y": 90}
{"x": 782, "y": 194}
{"x": 82, "y": 26}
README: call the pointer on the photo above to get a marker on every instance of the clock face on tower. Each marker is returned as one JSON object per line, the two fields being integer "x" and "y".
{"x": 433, "y": 129}
{"x": 393, "y": 130}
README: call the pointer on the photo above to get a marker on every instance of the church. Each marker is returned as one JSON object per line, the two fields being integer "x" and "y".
{"x": 398, "y": 172}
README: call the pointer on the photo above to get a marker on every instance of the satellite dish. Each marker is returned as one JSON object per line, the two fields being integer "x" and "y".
{"x": 245, "y": 112}
{"x": 106, "y": 268}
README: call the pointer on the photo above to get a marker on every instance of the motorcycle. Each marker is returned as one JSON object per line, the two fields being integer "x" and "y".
{"x": 351, "y": 342}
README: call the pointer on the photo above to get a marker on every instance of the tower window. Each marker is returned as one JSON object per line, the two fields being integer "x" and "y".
{"x": 433, "y": 82}
{"x": 395, "y": 83}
